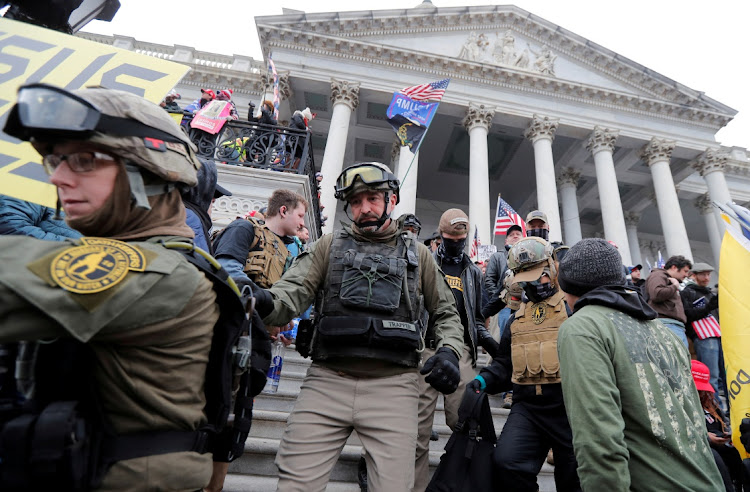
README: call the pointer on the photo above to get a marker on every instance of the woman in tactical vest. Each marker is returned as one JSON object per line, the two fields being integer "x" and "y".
{"x": 528, "y": 364}
{"x": 144, "y": 314}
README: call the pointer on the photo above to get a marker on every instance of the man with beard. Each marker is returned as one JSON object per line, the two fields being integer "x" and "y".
{"x": 528, "y": 364}
{"x": 371, "y": 282}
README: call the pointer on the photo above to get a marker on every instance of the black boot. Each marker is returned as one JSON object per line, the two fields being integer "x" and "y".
{"x": 362, "y": 474}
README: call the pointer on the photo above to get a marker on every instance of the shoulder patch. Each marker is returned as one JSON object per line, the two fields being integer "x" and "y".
{"x": 96, "y": 266}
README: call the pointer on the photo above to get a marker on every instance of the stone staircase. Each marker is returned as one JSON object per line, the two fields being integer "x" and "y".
{"x": 255, "y": 471}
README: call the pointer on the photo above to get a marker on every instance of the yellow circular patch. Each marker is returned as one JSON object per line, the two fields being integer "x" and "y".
{"x": 96, "y": 266}
{"x": 539, "y": 312}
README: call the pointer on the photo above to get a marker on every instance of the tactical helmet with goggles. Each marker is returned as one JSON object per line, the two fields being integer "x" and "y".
{"x": 411, "y": 220}
{"x": 529, "y": 257}
{"x": 365, "y": 176}
{"x": 124, "y": 125}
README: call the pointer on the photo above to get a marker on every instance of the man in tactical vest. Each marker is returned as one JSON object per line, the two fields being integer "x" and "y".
{"x": 528, "y": 364}
{"x": 372, "y": 282}
{"x": 142, "y": 313}
{"x": 465, "y": 280}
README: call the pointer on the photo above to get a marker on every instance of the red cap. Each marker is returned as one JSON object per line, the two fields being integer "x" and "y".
{"x": 226, "y": 93}
{"x": 209, "y": 92}
{"x": 701, "y": 376}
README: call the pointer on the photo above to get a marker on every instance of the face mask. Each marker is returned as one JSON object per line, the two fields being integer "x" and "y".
{"x": 536, "y": 291}
{"x": 542, "y": 233}
{"x": 453, "y": 248}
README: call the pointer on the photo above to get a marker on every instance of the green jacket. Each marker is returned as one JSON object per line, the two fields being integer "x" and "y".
{"x": 298, "y": 287}
{"x": 150, "y": 332}
{"x": 630, "y": 398}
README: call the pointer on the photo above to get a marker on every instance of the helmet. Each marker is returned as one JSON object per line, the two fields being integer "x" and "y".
{"x": 365, "y": 176}
{"x": 132, "y": 128}
{"x": 528, "y": 257}
{"x": 411, "y": 220}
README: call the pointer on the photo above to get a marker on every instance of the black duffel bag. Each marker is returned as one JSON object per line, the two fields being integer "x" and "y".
{"x": 466, "y": 465}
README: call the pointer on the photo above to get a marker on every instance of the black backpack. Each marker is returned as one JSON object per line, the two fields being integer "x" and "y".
{"x": 466, "y": 465}
{"x": 60, "y": 440}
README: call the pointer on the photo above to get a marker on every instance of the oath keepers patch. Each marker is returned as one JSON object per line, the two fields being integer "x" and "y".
{"x": 401, "y": 325}
{"x": 96, "y": 266}
{"x": 539, "y": 312}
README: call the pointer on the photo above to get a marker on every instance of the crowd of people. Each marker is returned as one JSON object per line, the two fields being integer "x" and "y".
{"x": 615, "y": 379}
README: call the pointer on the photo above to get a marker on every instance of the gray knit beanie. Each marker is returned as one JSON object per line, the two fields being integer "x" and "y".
{"x": 590, "y": 263}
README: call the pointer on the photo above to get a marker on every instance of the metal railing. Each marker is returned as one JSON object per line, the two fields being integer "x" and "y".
{"x": 270, "y": 147}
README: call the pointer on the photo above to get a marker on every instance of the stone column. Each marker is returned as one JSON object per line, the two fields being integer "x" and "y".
{"x": 408, "y": 196}
{"x": 541, "y": 133}
{"x": 601, "y": 144}
{"x": 656, "y": 154}
{"x": 707, "y": 211}
{"x": 711, "y": 165}
{"x": 477, "y": 121}
{"x": 631, "y": 225}
{"x": 345, "y": 98}
{"x": 567, "y": 183}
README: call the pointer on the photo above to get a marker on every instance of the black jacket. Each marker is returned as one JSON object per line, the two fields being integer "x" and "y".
{"x": 471, "y": 278}
{"x": 690, "y": 294}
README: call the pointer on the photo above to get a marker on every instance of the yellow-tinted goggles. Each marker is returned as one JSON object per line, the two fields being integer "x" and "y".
{"x": 369, "y": 174}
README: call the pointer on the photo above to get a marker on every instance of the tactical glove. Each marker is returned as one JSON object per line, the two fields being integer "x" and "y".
{"x": 263, "y": 298}
{"x": 474, "y": 386}
{"x": 745, "y": 434}
{"x": 442, "y": 367}
{"x": 488, "y": 343}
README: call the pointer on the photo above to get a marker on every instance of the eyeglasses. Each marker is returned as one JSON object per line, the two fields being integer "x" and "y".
{"x": 80, "y": 162}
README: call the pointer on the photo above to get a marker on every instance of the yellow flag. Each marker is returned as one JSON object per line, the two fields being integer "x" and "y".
{"x": 33, "y": 54}
{"x": 734, "y": 312}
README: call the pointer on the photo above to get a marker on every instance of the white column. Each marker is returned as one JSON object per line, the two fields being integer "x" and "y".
{"x": 477, "y": 121}
{"x": 706, "y": 209}
{"x": 541, "y": 133}
{"x": 567, "y": 183}
{"x": 656, "y": 154}
{"x": 345, "y": 98}
{"x": 711, "y": 165}
{"x": 631, "y": 225}
{"x": 408, "y": 179}
{"x": 601, "y": 144}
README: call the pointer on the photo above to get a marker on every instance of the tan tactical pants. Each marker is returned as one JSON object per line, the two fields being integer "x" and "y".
{"x": 428, "y": 397}
{"x": 330, "y": 405}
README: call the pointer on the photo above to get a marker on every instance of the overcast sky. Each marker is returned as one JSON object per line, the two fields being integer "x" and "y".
{"x": 703, "y": 45}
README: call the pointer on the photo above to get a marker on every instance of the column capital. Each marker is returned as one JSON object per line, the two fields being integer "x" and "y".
{"x": 541, "y": 127}
{"x": 345, "y": 92}
{"x": 395, "y": 150}
{"x": 569, "y": 175}
{"x": 710, "y": 161}
{"x": 704, "y": 204}
{"x": 632, "y": 219}
{"x": 656, "y": 150}
{"x": 285, "y": 89}
{"x": 602, "y": 139}
{"x": 478, "y": 115}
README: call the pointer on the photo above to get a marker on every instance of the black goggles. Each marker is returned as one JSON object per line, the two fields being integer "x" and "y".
{"x": 367, "y": 173}
{"x": 47, "y": 112}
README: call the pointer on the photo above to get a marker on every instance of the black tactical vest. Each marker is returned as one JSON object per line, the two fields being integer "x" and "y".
{"x": 370, "y": 307}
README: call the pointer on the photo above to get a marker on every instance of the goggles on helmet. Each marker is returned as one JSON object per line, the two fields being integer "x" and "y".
{"x": 47, "y": 112}
{"x": 367, "y": 173}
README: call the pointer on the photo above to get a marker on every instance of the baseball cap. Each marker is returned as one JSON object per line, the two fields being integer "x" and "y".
{"x": 226, "y": 93}
{"x": 433, "y": 236}
{"x": 209, "y": 92}
{"x": 702, "y": 267}
{"x": 220, "y": 191}
{"x": 636, "y": 267}
{"x": 529, "y": 275}
{"x": 537, "y": 214}
{"x": 701, "y": 376}
{"x": 454, "y": 222}
{"x": 514, "y": 227}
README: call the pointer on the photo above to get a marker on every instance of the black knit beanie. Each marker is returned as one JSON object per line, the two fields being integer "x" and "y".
{"x": 590, "y": 263}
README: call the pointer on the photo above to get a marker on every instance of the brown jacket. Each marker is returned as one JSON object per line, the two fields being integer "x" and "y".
{"x": 664, "y": 296}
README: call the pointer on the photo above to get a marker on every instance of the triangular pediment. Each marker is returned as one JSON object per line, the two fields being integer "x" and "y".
{"x": 496, "y": 44}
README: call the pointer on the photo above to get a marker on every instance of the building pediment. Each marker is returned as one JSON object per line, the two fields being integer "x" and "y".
{"x": 494, "y": 45}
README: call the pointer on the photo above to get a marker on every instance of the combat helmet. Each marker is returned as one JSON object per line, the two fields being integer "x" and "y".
{"x": 529, "y": 257}
{"x": 365, "y": 176}
{"x": 133, "y": 129}
{"x": 411, "y": 220}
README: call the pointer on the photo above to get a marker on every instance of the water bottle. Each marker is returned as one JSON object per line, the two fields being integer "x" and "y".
{"x": 274, "y": 371}
{"x": 291, "y": 334}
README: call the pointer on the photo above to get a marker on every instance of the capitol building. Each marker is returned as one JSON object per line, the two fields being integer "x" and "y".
{"x": 534, "y": 113}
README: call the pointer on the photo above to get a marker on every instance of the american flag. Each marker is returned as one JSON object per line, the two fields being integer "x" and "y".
{"x": 475, "y": 243}
{"x": 276, "y": 96}
{"x": 660, "y": 261}
{"x": 433, "y": 91}
{"x": 707, "y": 327}
{"x": 506, "y": 217}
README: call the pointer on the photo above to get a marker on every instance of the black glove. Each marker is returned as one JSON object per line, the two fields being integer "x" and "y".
{"x": 474, "y": 386}
{"x": 745, "y": 433}
{"x": 488, "y": 343}
{"x": 263, "y": 298}
{"x": 713, "y": 303}
{"x": 443, "y": 368}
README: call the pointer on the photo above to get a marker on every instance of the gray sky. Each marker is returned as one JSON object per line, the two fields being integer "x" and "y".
{"x": 700, "y": 44}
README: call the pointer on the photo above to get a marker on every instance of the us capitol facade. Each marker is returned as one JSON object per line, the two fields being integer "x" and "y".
{"x": 545, "y": 118}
